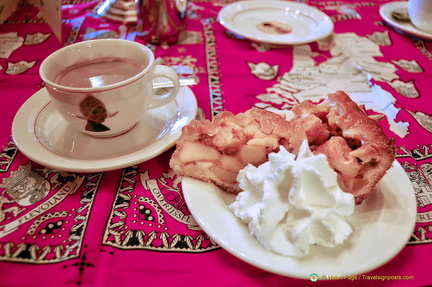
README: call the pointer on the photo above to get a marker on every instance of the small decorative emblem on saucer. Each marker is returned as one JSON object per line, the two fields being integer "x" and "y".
{"x": 274, "y": 27}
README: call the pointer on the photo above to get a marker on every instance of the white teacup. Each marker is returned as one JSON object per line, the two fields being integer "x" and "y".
{"x": 104, "y": 87}
{"x": 420, "y": 13}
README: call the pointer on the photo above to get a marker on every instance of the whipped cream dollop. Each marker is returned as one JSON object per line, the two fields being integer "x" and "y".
{"x": 291, "y": 203}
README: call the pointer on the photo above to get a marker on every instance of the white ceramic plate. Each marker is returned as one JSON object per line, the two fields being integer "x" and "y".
{"x": 44, "y": 137}
{"x": 276, "y": 22}
{"x": 382, "y": 225}
{"x": 404, "y": 26}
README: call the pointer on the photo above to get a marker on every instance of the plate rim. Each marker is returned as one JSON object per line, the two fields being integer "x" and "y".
{"x": 224, "y": 20}
{"x": 410, "y": 206}
{"x": 28, "y": 144}
{"x": 408, "y": 28}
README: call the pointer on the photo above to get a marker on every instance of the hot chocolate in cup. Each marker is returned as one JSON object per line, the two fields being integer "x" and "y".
{"x": 104, "y": 87}
{"x": 420, "y": 14}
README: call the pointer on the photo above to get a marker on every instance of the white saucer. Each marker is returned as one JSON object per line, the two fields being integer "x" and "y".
{"x": 43, "y": 136}
{"x": 245, "y": 18}
{"x": 404, "y": 26}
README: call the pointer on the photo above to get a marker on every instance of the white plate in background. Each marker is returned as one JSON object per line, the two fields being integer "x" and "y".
{"x": 386, "y": 11}
{"x": 256, "y": 20}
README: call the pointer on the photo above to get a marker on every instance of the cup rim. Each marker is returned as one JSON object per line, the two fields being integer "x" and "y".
{"x": 130, "y": 80}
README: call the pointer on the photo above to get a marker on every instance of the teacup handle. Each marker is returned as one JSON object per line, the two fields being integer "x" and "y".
{"x": 163, "y": 99}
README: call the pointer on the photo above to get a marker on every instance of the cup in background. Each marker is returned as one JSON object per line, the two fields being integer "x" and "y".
{"x": 104, "y": 87}
{"x": 420, "y": 14}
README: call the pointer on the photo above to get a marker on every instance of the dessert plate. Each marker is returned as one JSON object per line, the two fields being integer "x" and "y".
{"x": 43, "y": 136}
{"x": 276, "y": 22}
{"x": 386, "y": 11}
{"x": 382, "y": 226}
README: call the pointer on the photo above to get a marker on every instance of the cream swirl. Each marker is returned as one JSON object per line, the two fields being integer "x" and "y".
{"x": 291, "y": 203}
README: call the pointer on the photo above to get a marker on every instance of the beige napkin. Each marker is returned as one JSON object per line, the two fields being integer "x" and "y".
{"x": 49, "y": 10}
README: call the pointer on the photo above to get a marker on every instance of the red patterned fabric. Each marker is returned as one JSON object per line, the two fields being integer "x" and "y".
{"x": 132, "y": 227}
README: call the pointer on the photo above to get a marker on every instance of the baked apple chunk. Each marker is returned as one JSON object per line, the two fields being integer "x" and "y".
{"x": 215, "y": 151}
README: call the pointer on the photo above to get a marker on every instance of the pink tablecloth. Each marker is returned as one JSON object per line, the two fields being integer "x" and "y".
{"x": 132, "y": 226}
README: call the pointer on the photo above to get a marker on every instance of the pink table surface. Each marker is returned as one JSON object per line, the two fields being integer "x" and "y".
{"x": 96, "y": 234}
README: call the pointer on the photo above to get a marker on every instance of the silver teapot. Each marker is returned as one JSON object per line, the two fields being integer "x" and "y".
{"x": 161, "y": 21}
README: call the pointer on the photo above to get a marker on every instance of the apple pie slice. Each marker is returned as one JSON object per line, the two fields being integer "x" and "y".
{"x": 355, "y": 145}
